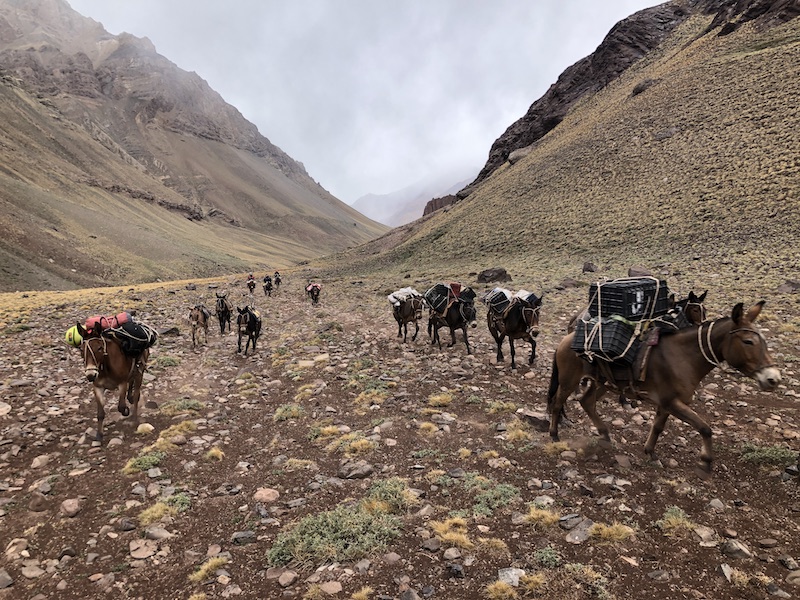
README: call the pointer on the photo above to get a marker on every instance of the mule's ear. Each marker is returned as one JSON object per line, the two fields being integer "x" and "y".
{"x": 737, "y": 313}
{"x": 82, "y": 331}
{"x": 671, "y": 300}
{"x": 754, "y": 311}
{"x": 692, "y": 298}
{"x": 702, "y": 297}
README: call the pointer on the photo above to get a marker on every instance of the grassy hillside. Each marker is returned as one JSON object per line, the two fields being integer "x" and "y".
{"x": 688, "y": 163}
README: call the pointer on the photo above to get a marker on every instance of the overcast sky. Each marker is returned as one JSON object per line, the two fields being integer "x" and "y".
{"x": 373, "y": 95}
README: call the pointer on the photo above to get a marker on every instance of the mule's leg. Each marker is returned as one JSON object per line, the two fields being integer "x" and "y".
{"x": 683, "y": 412}
{"x": 513, "y": 352}
{"x": 499, "y": 339}
{"x": 466, "y": 339}
{"x": 533, "y": 351}
{"x": 453, "y": 337}
{"x": 561, "y": 386}
{"x": 122, "y": 400}
{"x": 399, "y": 328}
{"x": 99, "y": 400}
{"x": 239, "y": 342}
{"x": 655, "y": 431}
{"x": 588, "y": 401}
{"x": 416, "y": 330}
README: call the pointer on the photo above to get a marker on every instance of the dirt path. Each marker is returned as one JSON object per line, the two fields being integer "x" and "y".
{"x": 332, "y": 405}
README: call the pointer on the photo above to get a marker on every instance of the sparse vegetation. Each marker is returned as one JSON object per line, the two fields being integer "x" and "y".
{"x": 346, "y": 533}
{"x": 769, "y": 455}
{"x": 143, "y": 462}
{"x": 675, "y": 522}
{"x": 286, "y": 412}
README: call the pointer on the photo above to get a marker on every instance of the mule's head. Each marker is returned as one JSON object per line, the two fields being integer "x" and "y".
{"x": 530, "y": 314}
{"x": 93, "y": 351}
{"x": 746, "y": 348}
{"x": 694, "y": 309}
{"x": 470, "y": 314}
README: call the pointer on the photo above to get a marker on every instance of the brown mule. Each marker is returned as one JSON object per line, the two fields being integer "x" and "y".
{"x": 107, "y": 367}
{"x": 408, "y": 311}
{"x": 198, "y": 317}
{"x": 675, "y": 368}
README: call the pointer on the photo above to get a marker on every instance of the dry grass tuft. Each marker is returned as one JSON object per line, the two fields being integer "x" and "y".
{"x": 427, "y": 428}
{"x": 155, "y": 513}
{"x": 207, "y": 569}
{"x": 440, "y": 400}
{"x": 675, "y": 522}
{"x": 500, "y": 590}
{"x": 494, "y": 547}
{"x": 616, "y": 532}
{"x": 215, "y": 453}
{"x": 555, "y": 448}
{"x": 363, "y": 594}
{"x": 541, "y": 517}
{"x": 453, "y": 531}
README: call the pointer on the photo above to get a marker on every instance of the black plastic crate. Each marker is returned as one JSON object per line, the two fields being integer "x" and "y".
{"x": 612, "y": 340}
{"x": 497, "y": 300}
{"x": 633, "y": 298}
{"x": 436, "y": 297}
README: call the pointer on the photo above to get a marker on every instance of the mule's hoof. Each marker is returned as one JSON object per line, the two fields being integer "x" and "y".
{"x": 703, "y": 471}
{"x": 124, "y": 411}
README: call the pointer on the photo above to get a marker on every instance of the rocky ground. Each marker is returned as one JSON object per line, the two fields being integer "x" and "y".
{"x": 465, "y": 495}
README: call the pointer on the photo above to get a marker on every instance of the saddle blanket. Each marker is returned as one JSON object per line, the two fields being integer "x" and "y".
{"x": 395, "y": 298}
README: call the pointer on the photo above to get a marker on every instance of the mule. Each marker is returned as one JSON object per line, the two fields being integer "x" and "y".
{"x": 675, "y": 367}
{"x": 198, "y": 317}
{"x": 277, "y": 280}
{"x": 268, "y": 286}
{"x": 458, "y": 315}
{"x": 251, "y": 286}
{"x": 408, "y": 311}
{"x": 312, "y": 291}
{"x": 248, "y": 323}
{"x": 224, "y": 310}
{"x": 107, "y": 367}
{"x": 519, "y": 322}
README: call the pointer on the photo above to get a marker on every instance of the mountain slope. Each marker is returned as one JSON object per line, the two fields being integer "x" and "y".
{"x": 687, "y": 160}
{"x": 95, "y": 124}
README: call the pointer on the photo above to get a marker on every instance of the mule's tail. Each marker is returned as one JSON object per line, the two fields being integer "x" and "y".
{"x": 551, "y": 391}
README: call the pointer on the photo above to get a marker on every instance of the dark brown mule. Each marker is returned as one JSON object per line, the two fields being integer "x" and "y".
{"x": 224, "y": 310}
{"x": 519, "y": 322}
{"x": 408, "y": 311}
{"x": 268, "y": 286}
{"x": 312, "y": 291}
{"x": 675, "y": 368}
{"x": 459, "y": 315}
{"x": 107, "y": 367}
{"x": 248, "y": 323}
{"x": 198, "y": 317}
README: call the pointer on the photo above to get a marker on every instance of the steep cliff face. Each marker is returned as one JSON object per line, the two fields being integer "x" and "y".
{"x": 627, "y": 43}
{"x": 157, "y": 135}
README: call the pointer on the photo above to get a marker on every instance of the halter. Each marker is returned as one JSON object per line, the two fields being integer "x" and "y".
{"x": 535, "y": 311}
{"x": 700, "y": 307}
{"x": 98, "y": 365}
{"x": 713, "y": 357}
{"x": 461, "y": 307}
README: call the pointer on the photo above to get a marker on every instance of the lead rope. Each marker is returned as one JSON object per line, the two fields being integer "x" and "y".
{"x": 713, "y": 360}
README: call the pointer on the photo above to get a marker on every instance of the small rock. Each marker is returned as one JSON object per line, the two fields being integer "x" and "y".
{"x": 510, "y": 576}
{"x": 266, "y": 495}
{"x": 452, "y": 554}
{"x": 768, "y": 543}
{"x": 240, "y": 538}
{"x": 70, "y": 508}
{"x": 659, "y": 575}
{"x": 331, "y": 587}
{"x": 287, "y": 578}
{"x": 5, "y": 579}
{"x": 735, "y": 549}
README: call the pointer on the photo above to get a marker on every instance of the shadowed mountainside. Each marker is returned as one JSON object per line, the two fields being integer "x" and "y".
{"x": 120, "y": 167}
